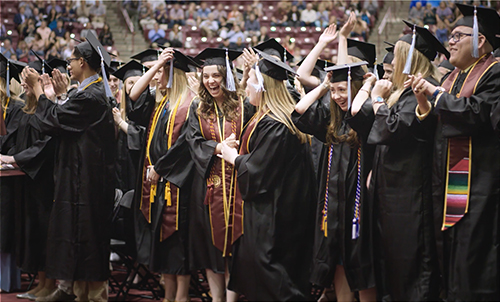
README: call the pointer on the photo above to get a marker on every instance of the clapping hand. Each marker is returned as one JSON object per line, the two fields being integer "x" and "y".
{"x": 329, "y": 35}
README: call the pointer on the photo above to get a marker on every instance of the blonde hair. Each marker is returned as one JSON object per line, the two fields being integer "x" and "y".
{"x": 281, "y": 104}
{"x": 336, "y": 118}
{"x": 419, "y": 64}
{"x": 30, "y": 103}
{"x": 206, "y": 108}
{"x": 179, "y": 87}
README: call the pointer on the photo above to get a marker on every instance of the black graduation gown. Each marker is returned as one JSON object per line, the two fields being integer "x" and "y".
{"x": 202, "y": 252}
{"x": 338, "y": 248}
{"x": 34, "y": 154}
{"x": 272, "y": 258}
{"x": 9, "y": 185}
{"x": 471, "y": 247}
{"x": 78, "y": 235}
{"x": 173, "y": 164}
{"x": 401, "y": 184}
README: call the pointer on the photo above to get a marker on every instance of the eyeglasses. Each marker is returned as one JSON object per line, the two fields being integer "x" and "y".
{"x": 456, "y": 37}
{"x": 69, "y": 60}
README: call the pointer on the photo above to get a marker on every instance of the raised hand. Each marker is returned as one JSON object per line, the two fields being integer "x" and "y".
{"x": 117, "y": 116}
{"x": 193, "y": 81}
{"x": 329, "y": 35}
{"x": 59, "y": 81}
{"x": 30, "y": 77}
{"x": 346, "y": 30}
{"x": 369, "y": 78}
{"x": 166, "y": 55}
{"x": 48, "y": 87}
{"x": 249, "y": 58}
{"x": 382, "y": 88}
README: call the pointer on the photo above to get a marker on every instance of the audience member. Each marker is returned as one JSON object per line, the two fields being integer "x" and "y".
{"x": 257, "y": 6}
{"x": 38, "y": 45}
{"x": 106, "y": 36}
{"x": 416, "y": 13}
{"x": 371, "y": 6}
{"x": 59, "y": 30}
{"x": 263, "y": 36}
{"x": 235, "y": 15}
{"x": 23, "y": 51}
{"x": 203, "y": 11}
{"x": 156, "y": 33}
{"x": 308, "y": 16}
{"x": 86, "y": 28}
{"x": 209, "y": 26}
{"x": 44, "y": 31}
{"x": 176, "y": 15}
{"x": 20, "y": 18}
{"x": 280, "y": 15}
{"x": 162, "y": 15}
{"x": 7, "y": 49}
{"x": 429, "y": 17}
{"x": 293, "y": 17}
{"x": 175, "y": 37}
{"x": 252, "y": 25}
{"x": 219, "y": 12}
{"x": 97, "y": 13}
{"x": 191, "y": 17}
{"x": 146, "y": 16}
{"x": 322, "y": 16}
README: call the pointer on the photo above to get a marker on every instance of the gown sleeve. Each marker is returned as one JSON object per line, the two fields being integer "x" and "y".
{"x": 135, "y": 137}
{"x": 13, "y": 116}
{"x": 258, "y": 171}
{"x": 466, "y": 116}
{"x": 141, "y": 110}
{"x": 399, "y": 123}
{"x": 315, "y": 120}
{"x": 362, "y": 122}
{"x": 176, "y": 165}
{"x": 74, "y": 116}
{"x": 32, "y": 159}
{"x": 202, "y": 150}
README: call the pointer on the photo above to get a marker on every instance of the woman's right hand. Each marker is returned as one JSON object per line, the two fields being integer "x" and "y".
{"x": 166, "y": 55}
{"x": 117, "y": 117}
{"x": 382, "y": 88}
{"x": 346, "y": 30}
{"x": 329, "y": 35}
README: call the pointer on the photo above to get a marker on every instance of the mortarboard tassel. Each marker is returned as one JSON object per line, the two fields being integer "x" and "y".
{"x": 170, "y": 73}
{"x": 284, "y": 55}
{"x": 7, "y": 80}
{"x": 104, "y": 77}
{"x": 407, "y": 69}
{"x": 260, "y": 80}
{"x": 349, "y": 99}
{"x": 229, "y": 75}
{"x": 43, "y": 66}
{"x": 375, "y": 70}
{"x": 475, "y": 36}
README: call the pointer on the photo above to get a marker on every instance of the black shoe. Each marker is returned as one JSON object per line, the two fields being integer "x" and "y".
{"x": 57, "y": 295}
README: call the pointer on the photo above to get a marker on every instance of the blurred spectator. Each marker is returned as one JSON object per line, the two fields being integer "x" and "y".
{"x": 219, "y": 12}
{"x": 162, "y": 15}
{"x": 224, "y": 27}
{"x": 20, "y": 18}
{"x": 132, "y": 7}
{"x": 263, "y": 36}
{"x": 38, "y": 45}
{"x": 3, "y": 31}
{"x": 254, "y": 41}
{"x": 51, "y": 41}
{"x": 444, "y": 13}
{"x": 191, "y": 15}
{"x": 176, "y": 15}
{"x": 301, "y": 4}
{"x": 442, "y": 32}
{"x": 416, "y": 13}
{"x": 105, "y": 36}
{"x": 252, "y": 25}
{"x": 97, "y": 14}
{"x": 235, "y": 33}
{"x": 257, "y": 6}
{"x": 209, "y": 26}
{"x": 156, "y": 33}
{"x": 308, "y": 16}
{"x": 146, "y": 16}
{"x": 203, "y": 11}
{"x": 365, "y": 16}
{"x": 322, "y": 16}
{"x": 63, "y": 41}
{"x": 239, "y": 45}
{"x": 338, "y": 11}
{"x": 52, "y": 53}
{"x": 355, "y": 6}
{"x": 86, "y": 28}
{"x": 294, "y": 17}
{"x": 248, "y": 12}
{"x": 360, "y": 29}
{"x": 371, "y": 6}
{"x": 429, "y": 17}
{"x": 53, "y": 5}
{"x": 52, "y": 19}
{"x": 68, "y": 50}
{"x": 37, "y": 17}
{"x": 6, "y": 49}
{"x": 280, "y": 15}
{"x": 69, "y": 11}
{"x": 175, "y": 37}
{"x": 28, "y": 8}
{"x": 235, "y": 15}
{"x": 224, "y": 43}
{"x": 29, "y": 31}
{"x": 23, "y": 51}
{"x": 59, "y": 30}
{"x": 44, "y": 31}
{"x": 289, "y": 44}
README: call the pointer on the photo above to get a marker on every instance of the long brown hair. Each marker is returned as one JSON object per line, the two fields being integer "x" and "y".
{"x": 30, "y": 103}
{"x": 206, "y": 108}
{"x": 281, "y": 104}
{"x": 336, "y": 118}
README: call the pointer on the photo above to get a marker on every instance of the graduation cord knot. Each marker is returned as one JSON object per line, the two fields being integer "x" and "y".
{"x": 357, "y": 201}
{"x": 324, "y": 223}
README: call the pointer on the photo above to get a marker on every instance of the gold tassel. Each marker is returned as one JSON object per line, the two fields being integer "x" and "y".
{"x": 152, "y": 193}
{"x": 324, "y": 226}
{"x": 168, "y": 194}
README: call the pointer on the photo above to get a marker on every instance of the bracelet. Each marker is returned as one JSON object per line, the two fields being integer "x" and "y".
{"x": 326, "y": 86}
{"x": 437, "y": 91}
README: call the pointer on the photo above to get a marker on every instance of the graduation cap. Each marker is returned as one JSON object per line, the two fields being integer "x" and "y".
{"x": 222, "y": 57}
{"x": 131, "y": 69}
{"x": 482, "y": 20}
{"x": 274, "y": 48}
{"x": 147, "y": 55}
{"x": 192, "y": 68}
{"x": 59, "y": 64}
{"x": 92, "y": 50}
{"x": 389, "y": 56}
{"x": 41, "y": 65}
{"x": 180, "y": 61}
{"x": 239, "y": 74}
{"x": 391, "y": 46}
{"x": 425, "y": 42}
{"x": 10, "y": 70}
{"x": 362, "y": 50}
{"x": 114, "y": 66}
{"x": 347, "y": 72}
{"x": 380, "y": 70}
{"x": 273, "y": 67}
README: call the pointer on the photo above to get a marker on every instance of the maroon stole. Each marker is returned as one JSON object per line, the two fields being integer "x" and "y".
{"x": 460, "y": 149}
{"x": 225, "y": 209}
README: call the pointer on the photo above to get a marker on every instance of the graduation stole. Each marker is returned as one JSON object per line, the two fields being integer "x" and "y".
{"x": 3, "y": 128}
{"x": 226, "y": 211}
{"x": 6, "y": 106}
{"x": 170, "y": 218}
{"x": 148, "y": 189}
{"x": 459, "y": 160}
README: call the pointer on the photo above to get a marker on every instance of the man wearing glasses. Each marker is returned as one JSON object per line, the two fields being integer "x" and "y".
{"x": 78, "y": 236}
{"x": 466, "y": 178}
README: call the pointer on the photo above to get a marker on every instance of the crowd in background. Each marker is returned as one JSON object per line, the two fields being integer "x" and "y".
{"x": 47, "y": 28}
